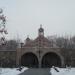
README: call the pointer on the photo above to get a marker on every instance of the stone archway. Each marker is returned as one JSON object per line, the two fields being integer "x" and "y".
{"x": 51, "y": 59}
{"x": 29, "y": 60}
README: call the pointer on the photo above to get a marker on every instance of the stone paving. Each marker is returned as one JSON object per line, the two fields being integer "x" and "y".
{"x": 37, "y": 71}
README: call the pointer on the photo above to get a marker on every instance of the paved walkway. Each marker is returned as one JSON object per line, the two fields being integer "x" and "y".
{"x": 37, "y": 71}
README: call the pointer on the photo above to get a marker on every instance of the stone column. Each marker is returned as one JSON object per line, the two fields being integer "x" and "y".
{"x": 39, "y": 63}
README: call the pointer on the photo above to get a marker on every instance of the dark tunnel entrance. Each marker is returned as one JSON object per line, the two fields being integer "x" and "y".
{"x": 29, "y": 60}
{"x": 51, "y": 59}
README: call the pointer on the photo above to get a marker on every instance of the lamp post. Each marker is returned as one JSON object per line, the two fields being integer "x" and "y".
{"x": 21, "y": 53}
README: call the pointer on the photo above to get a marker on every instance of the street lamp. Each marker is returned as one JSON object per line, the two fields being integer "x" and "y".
{"x": 21, "y": 52}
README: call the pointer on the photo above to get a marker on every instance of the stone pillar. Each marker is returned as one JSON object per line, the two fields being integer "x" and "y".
{"x": 39, "y": 63}
{"x": 18, "y": 57}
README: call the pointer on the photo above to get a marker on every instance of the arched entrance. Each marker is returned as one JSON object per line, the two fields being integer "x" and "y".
{"x": 51, "y": 59}
{"x": 29, "y": 60}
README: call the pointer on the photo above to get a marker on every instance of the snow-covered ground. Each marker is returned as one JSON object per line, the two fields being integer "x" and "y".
{"x": 15, "y": 71}
{"x": 63, "y": 71}
{"x": 11, "y": 71}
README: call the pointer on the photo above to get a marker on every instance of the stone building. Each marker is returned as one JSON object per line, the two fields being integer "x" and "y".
{"x": 39, "y": 52}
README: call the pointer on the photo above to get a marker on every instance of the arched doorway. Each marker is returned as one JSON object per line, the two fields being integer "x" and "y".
{"x": 29, "y": 60}
{"x": 51, "y": 59}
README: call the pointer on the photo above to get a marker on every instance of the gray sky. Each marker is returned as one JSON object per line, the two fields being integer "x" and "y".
{"x": 25, "y": 16}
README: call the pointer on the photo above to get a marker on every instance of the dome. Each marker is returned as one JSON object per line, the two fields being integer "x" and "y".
{"x": 41, "y": 29}
{"x": 27, "y": 39}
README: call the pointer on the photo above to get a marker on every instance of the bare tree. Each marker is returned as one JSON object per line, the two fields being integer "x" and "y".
{"x": 3, "y": 30}
{"x": 11, "y": 44}
{"x": 63, "y": 42}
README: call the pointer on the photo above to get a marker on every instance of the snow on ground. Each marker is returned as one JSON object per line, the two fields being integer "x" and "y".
{"x": 63, "y": 71}
{"x": 15, "y": 71}
{"x": 11, "y": 71}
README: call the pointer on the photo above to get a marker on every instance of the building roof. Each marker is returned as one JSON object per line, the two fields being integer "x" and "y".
{"x": 40, "y": 41}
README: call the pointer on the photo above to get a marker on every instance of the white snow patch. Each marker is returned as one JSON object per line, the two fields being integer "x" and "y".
{"x": 11, "y": 71}
{"x": 63, "y": 71}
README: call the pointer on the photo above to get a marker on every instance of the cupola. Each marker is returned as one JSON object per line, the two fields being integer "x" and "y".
{"x": 41, "y": 31}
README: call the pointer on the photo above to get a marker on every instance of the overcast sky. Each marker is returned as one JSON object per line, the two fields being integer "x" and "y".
{"x": 25, "y": 16}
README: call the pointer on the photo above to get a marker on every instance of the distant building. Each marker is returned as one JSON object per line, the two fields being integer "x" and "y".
{"x": 40, "y": 53}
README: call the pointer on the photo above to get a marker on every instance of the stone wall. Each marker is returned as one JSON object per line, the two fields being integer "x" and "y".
{"x": 7, "y": 58}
